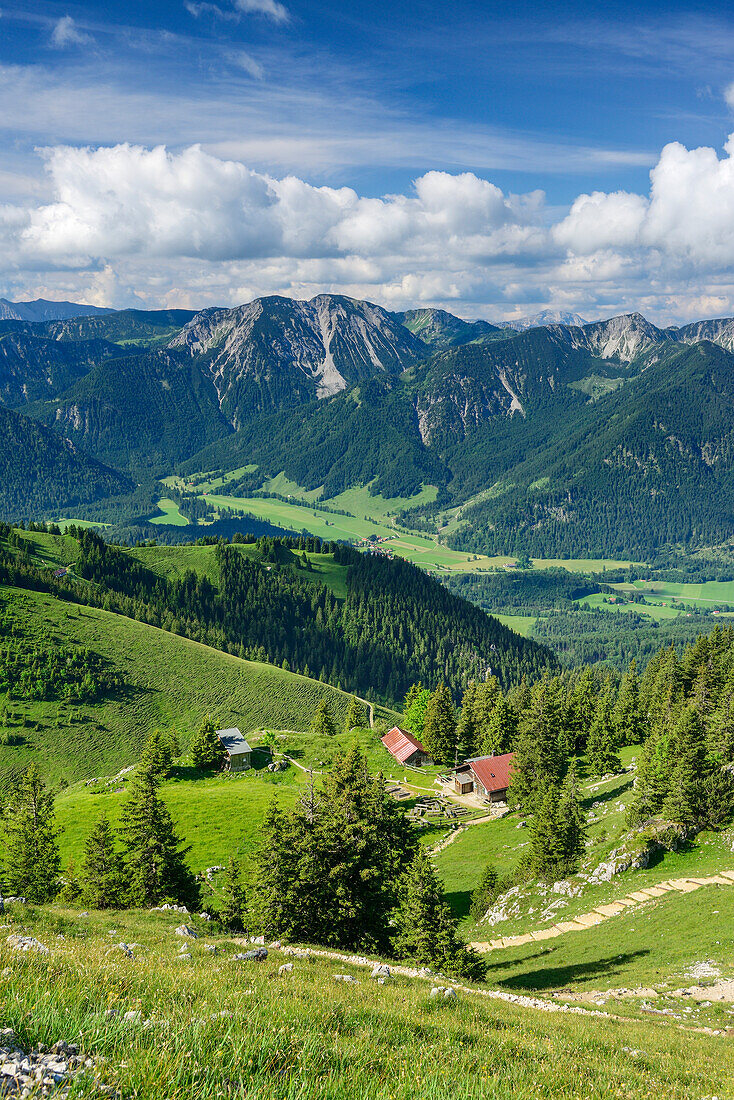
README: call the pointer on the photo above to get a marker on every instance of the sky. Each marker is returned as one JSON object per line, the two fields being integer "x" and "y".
{"x": 489, "y": 158}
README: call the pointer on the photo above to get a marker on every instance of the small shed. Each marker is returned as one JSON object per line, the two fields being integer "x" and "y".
{"x": 492, "y": 775}
{"x": 406, "y": 748}
{"x": 239, "y": 753}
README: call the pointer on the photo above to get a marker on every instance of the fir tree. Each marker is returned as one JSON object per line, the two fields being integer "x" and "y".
{"x": 207, "y": 751}
{"x": 104, "y": 881}
{"x": 477, "y": 708}
{"x": 500, "y": 731}
{"x": 156, "y": 863}
{"x": 234, "y": 908}
{"x": 356, "y": 718}
{"x": 627, "y": 715}
{"x": 425, "y": 930}
{"x": 601, "y": 746}
{"x": 323, "y": 721}
{"x": 439, "y": 731}
{"x": 484, "y": 892}
{"x": 572, "y": 823}
{"x": 31, "y": 855}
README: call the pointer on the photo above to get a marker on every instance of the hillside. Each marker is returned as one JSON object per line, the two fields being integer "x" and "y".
{"x": 43, "y": 475}
{"x": 162, "y": 1025}
{"x": 43, "y": 310}
{"x": 372, "y": 626}
{"x": 163, "y": 681}
{"x": 140, "y": 413}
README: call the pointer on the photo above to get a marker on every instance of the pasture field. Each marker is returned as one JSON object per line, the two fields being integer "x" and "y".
{"x": 521, "y": 624}
{"x": 169, "y": 682}
{"x": 210, "y": 1026}
{"x": 171, "y": 514}
{"x": 716, "y": 592}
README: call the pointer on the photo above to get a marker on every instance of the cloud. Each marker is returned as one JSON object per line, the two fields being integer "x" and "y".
{"x": 246, "y": 62}
{"x": 191, "y": 226}
{"x": 67, "y": 33}
{"x": 272, "y": 9}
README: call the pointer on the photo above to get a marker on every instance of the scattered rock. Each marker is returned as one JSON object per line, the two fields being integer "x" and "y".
{"x": 639, "y": 847}
{"x": 188, "y": 931}
{"x": 211, "y": 948}
{"x": 259, "y": 954}
{"x": 168, "y": 908}
{"x": 449, "y": 994}
{"x": 345, "y": 978}
{"x": 26, "y": 943}
{"x": 184, "y": 955}
{"x": 286, "y": 968}
{"x": 258, "y": 940}
{"x": 380, "y": 971}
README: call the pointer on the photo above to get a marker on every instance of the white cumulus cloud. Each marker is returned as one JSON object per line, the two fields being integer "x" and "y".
{"x": 191, "y": 226}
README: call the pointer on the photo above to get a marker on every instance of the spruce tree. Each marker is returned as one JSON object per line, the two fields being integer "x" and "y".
{"x": 234, "y": 907}
{"x": 484, "y": 892}
{"x": 356, "y": 717}
{"x": 439, "y": 731}
{"x": 156, "y": 863}
{"x": 685, "y": 800}
{"x": 545, "y": 854}
{"x": 582, "y": 706}
{"x": 540, "y": 754}
{"x": 323, "y": 721}
{"x": 425, "y": 930}
{"x": 601, "y": 746}
{"x": 103, "y": 877}
{"x": 207, "y": 751}
{"x": 31, "y": 858}
{"x": 159, "y": 752}
{"x": 500, "y": 732}
{"x": 571, "y": 822}
{"x": 627, "y": 715}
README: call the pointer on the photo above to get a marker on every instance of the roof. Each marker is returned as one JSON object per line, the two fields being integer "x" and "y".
{"x": 493, "y": 772}
{"x": 233, "y": 742}
{"x": 402, "y": 744}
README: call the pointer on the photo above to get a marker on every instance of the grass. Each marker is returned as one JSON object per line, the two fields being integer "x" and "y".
{"x": 211, "y": 1027}
{"x": 171, "y": 514}
{"x": 521, "y": 624}
{"x": 717, "y": 592}
{"x": 169, "y": 683}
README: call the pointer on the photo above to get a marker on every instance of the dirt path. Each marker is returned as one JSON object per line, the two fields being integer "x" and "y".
{"x": 456, "y": 833}
{"x": 611, "y": 909}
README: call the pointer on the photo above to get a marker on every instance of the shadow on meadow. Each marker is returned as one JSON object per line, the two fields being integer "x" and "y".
{"x": 556, "y": 977}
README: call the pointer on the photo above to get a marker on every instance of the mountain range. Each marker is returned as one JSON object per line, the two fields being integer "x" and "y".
{"x": 43, "y": 310}
{"x": 604, "y": 438}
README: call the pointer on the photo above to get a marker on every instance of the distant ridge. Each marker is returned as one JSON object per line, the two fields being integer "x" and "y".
{"x": 43, "y": 310}
{"x": 545, "y": 317}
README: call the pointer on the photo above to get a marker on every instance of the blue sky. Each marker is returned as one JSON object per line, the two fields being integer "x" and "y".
{"x": 571, "y": 100}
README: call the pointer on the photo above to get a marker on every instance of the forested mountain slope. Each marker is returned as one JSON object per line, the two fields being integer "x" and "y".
{"x": 394, "y": 626}
{"x": 41, "y": 474}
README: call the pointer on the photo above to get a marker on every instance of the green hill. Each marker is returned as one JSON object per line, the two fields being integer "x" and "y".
{"x": 165, "y": 681}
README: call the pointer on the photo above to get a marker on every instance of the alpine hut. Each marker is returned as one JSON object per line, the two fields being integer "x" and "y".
{"x": 239, "y": 753}
{"x": 406, "y": 748}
